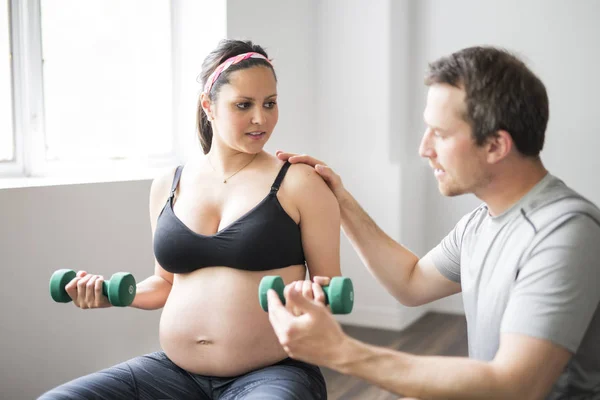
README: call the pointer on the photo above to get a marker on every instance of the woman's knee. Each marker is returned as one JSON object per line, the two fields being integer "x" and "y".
{"x": 112, "y": 383}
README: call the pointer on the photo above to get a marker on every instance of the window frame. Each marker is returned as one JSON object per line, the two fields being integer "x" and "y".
{"x": 28, "y": 106}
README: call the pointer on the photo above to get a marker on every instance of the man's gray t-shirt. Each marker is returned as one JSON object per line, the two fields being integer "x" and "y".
{"x": 533, "y": 270}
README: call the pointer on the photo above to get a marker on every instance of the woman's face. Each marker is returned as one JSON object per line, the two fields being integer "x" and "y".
{"x": 246, "y": 112}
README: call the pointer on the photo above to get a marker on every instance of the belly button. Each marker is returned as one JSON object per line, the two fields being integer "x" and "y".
{"x": 202, "y": 341}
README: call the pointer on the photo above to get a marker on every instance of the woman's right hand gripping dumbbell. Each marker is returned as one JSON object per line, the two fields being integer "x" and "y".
{"x": 92, "y": 291}
{"x": 86, "y": 291}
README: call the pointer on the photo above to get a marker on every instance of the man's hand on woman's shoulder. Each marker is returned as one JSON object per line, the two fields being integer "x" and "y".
{"x": 333, "y": 180}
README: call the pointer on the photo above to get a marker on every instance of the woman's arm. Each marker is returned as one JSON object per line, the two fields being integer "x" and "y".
{"x": 86, "y": 289}
{"x": 319, "y": 220}
{"x": 152, "y": 292}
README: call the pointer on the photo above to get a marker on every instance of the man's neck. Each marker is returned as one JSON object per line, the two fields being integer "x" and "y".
{"x": 510, "y": 184}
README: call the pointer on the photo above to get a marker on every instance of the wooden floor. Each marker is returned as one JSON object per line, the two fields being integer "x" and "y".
{"x": 433, "y": 334}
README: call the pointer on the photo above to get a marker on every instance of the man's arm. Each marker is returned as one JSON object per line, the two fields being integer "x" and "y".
{"x": 411, "y": 280}
{"x": 552, "y": 302}
{"x": 524, "y": 367}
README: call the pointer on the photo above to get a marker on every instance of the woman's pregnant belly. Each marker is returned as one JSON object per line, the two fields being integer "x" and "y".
{"x": 212, "y": 323}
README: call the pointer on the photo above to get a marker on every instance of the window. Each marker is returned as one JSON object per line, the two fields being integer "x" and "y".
{"x": 107, "y": 82}
{"x": 7, "y": 142}
{"x": 92, "y": 83}
{"x": 100, "y": 89}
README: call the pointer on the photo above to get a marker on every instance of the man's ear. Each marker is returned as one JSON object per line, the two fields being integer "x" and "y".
{"x": 206, "y": 105}
{"x": 499, "y": 146}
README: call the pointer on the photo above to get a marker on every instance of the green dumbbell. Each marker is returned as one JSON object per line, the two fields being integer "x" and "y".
{"x": 120, "y": 290}
{"x": 339, "y": 294}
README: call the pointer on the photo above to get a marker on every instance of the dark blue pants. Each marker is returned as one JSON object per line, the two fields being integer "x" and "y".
{"x": 155, "y": 376}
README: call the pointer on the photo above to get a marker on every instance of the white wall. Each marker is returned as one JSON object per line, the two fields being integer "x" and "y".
{"x": 354, "y": 125}
{"x": 103, "y": 228}
{"x": 285, "y": 28}
{"x": 198, "y": 25}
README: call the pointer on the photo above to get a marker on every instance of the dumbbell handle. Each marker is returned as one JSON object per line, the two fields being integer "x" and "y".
{"x": 325, "y": 291}
{"x": 105, "y": 288}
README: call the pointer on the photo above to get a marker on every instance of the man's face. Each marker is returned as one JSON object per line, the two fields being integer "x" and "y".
{"x": 458, "y": 163}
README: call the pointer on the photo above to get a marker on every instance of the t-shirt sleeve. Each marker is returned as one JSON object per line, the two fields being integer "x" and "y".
{"x": 556, "y": 292}
{"x": 446, "y": 255}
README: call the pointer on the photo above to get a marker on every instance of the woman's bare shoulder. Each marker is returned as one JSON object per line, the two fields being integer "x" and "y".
{"x": 302, "y": 177}
{"x": 160, "y": 189}
{"x": 161, "y": 184}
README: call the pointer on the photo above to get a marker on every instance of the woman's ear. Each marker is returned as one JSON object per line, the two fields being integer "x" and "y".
{"x": 206, "y": 105}
{"x": 499, "y": 146}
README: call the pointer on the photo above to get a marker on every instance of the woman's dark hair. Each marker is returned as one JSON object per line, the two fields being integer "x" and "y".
{"x": 227, "y": 48}
{"x": 501, "y": 94}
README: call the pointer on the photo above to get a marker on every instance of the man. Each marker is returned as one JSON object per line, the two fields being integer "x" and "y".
{"x": 526, "y": 260}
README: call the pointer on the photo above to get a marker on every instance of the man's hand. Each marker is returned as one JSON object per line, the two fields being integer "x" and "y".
{"x": 314, "y": 336}
{"x": 332, "y": 179}
{"x": 310, "y": 290}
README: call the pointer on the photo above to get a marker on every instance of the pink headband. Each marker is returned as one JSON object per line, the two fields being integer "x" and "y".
{"x": 228, "y": 63}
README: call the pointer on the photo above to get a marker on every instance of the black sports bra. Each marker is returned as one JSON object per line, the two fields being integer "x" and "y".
{"x": 264, "y": 238}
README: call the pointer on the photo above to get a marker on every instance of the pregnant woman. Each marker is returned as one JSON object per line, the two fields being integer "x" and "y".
{"x": 220, "y": 223}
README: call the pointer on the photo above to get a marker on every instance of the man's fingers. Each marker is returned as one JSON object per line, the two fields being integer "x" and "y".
{"x": 325, "y": 172}
{"x": 322, "y": 280}
{"x": 287, "y": 288}
{"x": 277, "y": 311}
{"x": 283, "y": 156}
{"x": 273, "y": 299}
{"x": 298, "y": 158}
{"x": 305, "y": 159}
{"x": 299, "y": 302}
{"x": 319, "y": 293}
{"x": 307, "y": 290}
{"x": 318, "y": 282}
{"x": 322, "y": 169}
